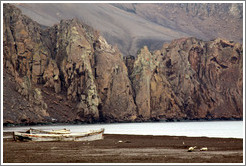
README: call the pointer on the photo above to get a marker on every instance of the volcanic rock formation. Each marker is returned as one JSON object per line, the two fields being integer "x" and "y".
{"x": 69, "y": 58}
{"x": 190, "y": 79}
{"x": 69, "y": 73}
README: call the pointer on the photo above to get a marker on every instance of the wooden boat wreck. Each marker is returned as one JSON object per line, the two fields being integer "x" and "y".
{"x": 58, "y": 135}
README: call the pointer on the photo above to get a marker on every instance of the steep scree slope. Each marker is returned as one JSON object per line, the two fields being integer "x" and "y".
{"x": 133, "y": 25}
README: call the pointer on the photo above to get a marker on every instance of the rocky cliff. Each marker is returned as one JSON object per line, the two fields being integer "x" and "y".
{"x": 69, "y": 73}
{"x": 189, "y": 79}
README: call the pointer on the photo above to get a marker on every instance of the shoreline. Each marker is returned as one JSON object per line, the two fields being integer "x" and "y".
{"x": 199, "y": 128}
{"x": 147, "y": 121}
{"x": 117, "y": 148}
{"x": 8, "y": 135}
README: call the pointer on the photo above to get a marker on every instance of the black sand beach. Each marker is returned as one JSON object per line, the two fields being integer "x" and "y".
{"x": 126, "y": 149}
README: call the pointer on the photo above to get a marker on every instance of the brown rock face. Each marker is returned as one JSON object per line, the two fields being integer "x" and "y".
{"x": 153, "y": 92}
{"x": 72, "y": 45}
{"x": 69, "y": 73}
{"x": 191, "y": 79}
{"x": 114, "y": 86}
{"x": 78, "y": 64}
{"x": 26, "y": 58}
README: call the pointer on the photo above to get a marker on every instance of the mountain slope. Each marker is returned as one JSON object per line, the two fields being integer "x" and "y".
{"x": 202, "y": 20}
{"x": 131, "y": 26}
{"x": 127, "y": 30}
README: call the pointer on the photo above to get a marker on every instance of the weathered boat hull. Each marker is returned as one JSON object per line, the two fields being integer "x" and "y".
{"x": 88, "y": 136}
{"x": 36, "y": 131}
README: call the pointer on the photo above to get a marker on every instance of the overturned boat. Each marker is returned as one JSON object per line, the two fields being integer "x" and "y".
{"x": 58, "y": 135}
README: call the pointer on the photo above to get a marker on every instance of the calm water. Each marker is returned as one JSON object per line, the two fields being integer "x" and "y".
{"x": 226, "y": 129}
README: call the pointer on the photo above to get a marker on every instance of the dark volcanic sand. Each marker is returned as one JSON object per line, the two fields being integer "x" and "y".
{"x": 132, "y": 149}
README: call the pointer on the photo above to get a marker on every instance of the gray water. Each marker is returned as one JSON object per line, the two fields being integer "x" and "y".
{"x": 223, "y": 129}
